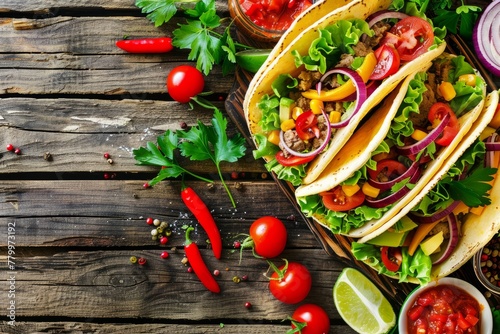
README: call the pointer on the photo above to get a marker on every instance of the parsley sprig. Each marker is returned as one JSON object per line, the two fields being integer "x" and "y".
{"x": 203, "y": 33}
{"x": 200, "y": 142}
{"x": 473, "y": 189}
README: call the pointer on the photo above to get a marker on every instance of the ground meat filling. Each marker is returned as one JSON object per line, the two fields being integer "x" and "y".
{"x": 293, "y": 141}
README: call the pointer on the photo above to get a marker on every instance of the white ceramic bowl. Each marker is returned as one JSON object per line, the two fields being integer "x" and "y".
{"x": 486, "y": 319}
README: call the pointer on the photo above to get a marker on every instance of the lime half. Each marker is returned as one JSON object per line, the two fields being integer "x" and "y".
{"x": 251, "y": 60}
{"x": 361, "y": 304}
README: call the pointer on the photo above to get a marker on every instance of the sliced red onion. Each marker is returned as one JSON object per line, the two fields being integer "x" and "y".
{"x": 370, "y": 88}
{"x": 492, "y": 144}
{"x": 361, "y": 91}
{"x": 383, "y": 15}
{"x": 418, "y": 218}
{"x": 452, "y": 241}
{"x": 388, "y": 184}
{"x": 394, "y": 197}
{"x": 420, "y": 145}
{"x": 314, "y": 152}
{"x": 486, "y": 39}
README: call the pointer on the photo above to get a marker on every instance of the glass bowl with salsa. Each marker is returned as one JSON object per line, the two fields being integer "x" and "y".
{"x": 265, "y": 20}
{"x": 449, "y": 303}
{"x": 486, "y": 264}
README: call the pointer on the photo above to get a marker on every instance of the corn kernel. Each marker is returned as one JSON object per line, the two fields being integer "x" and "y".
{"x": 447, "y": 90}
{"x": 296, "y": 111}
{"x": 274, "y": 137}
{"x": 418, "y": 135}
{"x": 468, "y": 79}
{"x": 350, "y": 190}
{"x": 316, "y": 106}
{"x": 334, "y": 117}
{"x": 287, "y": 125}
{"x": 370, "y": 190}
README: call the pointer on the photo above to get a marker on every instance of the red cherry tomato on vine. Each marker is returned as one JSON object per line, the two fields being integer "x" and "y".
{"x": 290, "y": 283}
{"x": 311, "y": 319}
{"x": 269, "y": 236}
{"x": 412, "y": 37}
{"x": 437, "y": 112}
{"x": 337, "y": 200}
{"x": 185, "y": 82}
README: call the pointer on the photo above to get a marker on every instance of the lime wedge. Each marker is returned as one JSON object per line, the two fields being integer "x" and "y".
{"x": 361, "y": 304}
{"x": 251, "y": 60}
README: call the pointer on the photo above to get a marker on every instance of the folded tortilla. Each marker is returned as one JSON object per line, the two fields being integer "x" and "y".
{"x": 476, "y": 230}
{"x": 358, "y": 150}
{"x": 282, "y": 62}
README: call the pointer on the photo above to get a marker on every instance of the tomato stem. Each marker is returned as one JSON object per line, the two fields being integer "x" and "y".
{"x": 281, "y": 273}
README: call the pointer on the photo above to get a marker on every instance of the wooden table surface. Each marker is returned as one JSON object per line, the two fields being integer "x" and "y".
{"x": 67, "y": 90}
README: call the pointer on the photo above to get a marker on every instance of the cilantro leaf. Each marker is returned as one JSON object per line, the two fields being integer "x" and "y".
{"x": 159, "y": 11}
{"x": 211, "y": 142}
{"x": 473, "y": 190}
{"x": 460, "y": 20}
{"x": 200, "y": 142}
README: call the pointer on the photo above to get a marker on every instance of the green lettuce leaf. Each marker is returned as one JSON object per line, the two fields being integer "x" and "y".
{"x": 292, "y": 174}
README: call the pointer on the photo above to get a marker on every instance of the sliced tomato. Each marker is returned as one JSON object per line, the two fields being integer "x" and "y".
{"x": 387, "y": 170}
{"x": 306, "y": 126}
{"x": 337, "y": 200}
{"x": 292, "y": 160}
{"x": 387, "y": 62}
{"x": 391, "y": 258}
{"x": 436, "y": 113}
{"x": 412, "y": 37}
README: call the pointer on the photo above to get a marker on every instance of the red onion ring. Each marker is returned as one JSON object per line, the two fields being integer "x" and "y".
{"x": 361, "y": 92}
{"x": 418, "y": 218}
{"x": 394, "y": 197}
{"x": 370, "y": 88}
{"x": 486, "y": 40}
{"x": 384, "y": 14}
{"x": 420, "y": 145}
{"x": 452, "y": 241}
{"x": 314, "y": 152}
{"x": 492, "y": 144}
{"x": 388, "y": 184}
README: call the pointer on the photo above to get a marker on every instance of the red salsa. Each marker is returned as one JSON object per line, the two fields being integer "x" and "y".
{"x": 444, "y": 309}
{"x": 274, "y": 14}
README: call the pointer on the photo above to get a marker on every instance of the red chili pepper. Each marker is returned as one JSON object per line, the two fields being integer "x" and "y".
{"x": 196, "y": 205}
{"x": 146, "y": 45}
{"x": 199, "y": 267}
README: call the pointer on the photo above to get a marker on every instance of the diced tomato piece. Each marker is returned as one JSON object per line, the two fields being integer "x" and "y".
{"x": 415, "y": 312}
{"x": 462, "y": 323}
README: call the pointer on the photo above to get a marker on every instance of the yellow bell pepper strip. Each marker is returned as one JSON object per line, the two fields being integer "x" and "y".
{"x": 348, "y": 88}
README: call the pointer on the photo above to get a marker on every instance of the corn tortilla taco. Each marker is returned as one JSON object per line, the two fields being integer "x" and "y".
{"x": 310, "y": 96}
{"x": 462, "y": 213}
{"x": 375, "y": 176}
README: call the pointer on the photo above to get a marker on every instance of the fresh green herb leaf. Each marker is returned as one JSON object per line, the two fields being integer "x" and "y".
{"x": 201, "y": 142}
{"x": 459, "y": 21}
{"x": 212, "y": 143}
{"x": 159, "y": 11}
{"x": 473, "y": 190}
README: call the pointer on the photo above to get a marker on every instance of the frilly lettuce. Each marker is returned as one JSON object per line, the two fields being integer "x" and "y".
{"x": 417, "y": 266}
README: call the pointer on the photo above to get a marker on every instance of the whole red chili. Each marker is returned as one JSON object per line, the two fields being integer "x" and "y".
{"x": 196, "y": 205}
{"x": 198, "y": 265}
{"x": 146, "y": 45}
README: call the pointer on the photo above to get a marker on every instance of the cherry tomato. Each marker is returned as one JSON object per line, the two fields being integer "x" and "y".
{"x": 269, "y": 236}
{"x": 437, "y": 112}
{"x": 292, "y": 160}
{"x": 387, "y": 170}
{"x": 306, "y": 126}
{"x": 185, "y": 82}
{"x": 412, "y": 37}
{"x": 311, "y": 319}
{"x": 337, "y": 200}
{"x": 391, "y": 258}
{"x": 387, "y": 62}
{"x": 291, "y": 284}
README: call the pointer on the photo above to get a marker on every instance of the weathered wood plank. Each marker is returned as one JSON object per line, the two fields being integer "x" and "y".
{"x": 114, "y": 198}
{"x": 54, "y": 6}
{"x": 243, "y": 327}
{"x": 104, "y": 284}
{"x": 77, "y": 132}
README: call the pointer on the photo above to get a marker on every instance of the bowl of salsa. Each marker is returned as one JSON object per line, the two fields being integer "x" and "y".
{"x": 449, "y": 305}
{"x": 266, "y": 20}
